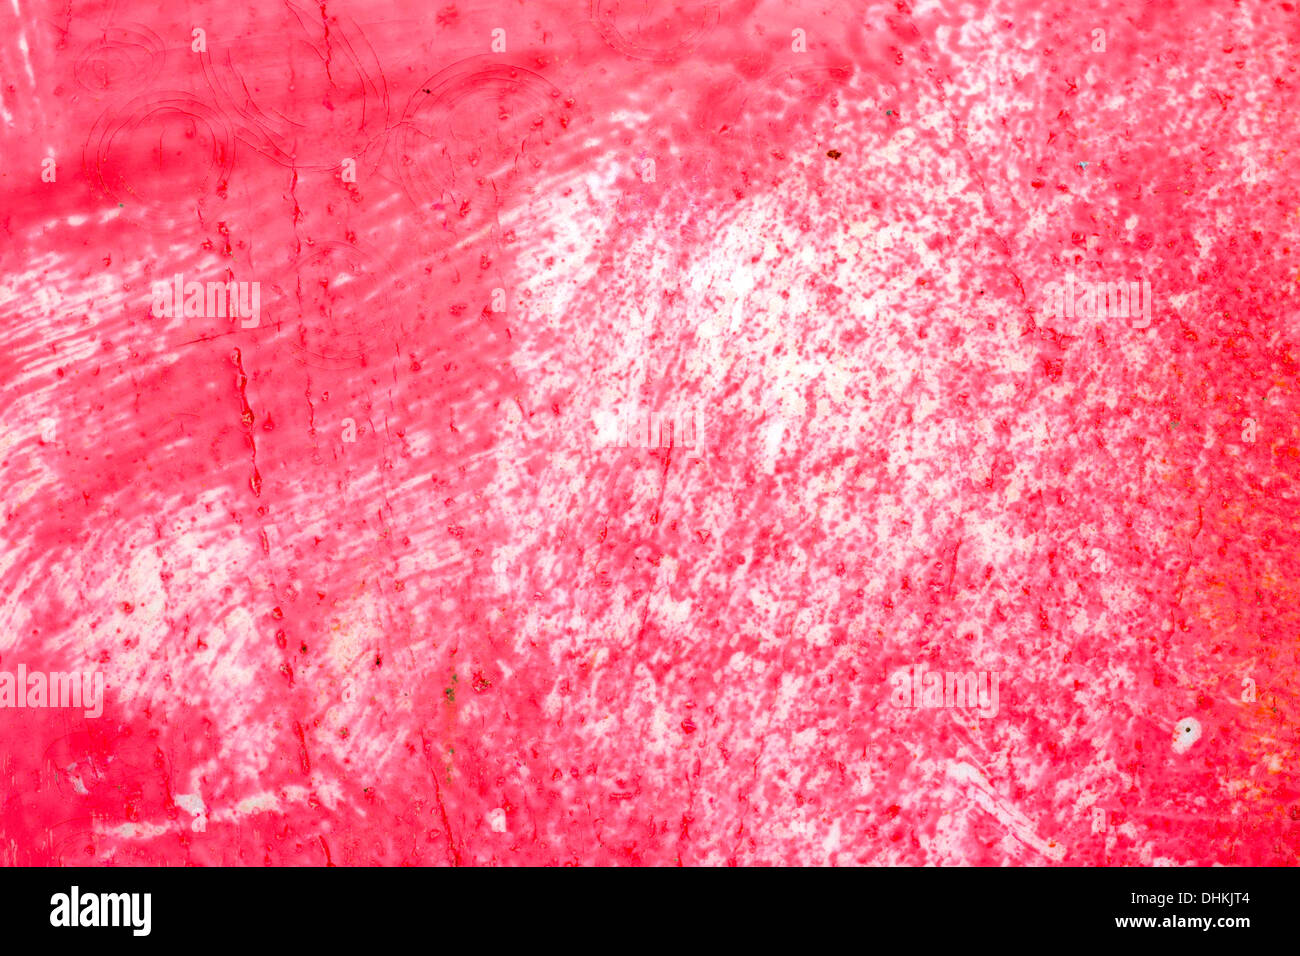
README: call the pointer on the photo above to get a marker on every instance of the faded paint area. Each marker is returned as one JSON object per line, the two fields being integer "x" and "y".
{"x": 372, "y": 572}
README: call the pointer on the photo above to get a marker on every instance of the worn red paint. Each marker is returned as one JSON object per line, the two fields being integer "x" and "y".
{"x": 479, "y": 633}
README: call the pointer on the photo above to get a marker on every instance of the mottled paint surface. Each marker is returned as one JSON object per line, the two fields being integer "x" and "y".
{"x": 370, "y": 583}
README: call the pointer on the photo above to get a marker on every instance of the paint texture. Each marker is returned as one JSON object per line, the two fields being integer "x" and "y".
{"x": 593, "y": 420}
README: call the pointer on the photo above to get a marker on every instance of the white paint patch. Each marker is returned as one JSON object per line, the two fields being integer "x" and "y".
{"x": 1186, "y": 732}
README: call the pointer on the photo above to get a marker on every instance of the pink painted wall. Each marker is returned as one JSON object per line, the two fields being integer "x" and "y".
{"x": 374, "y": 573}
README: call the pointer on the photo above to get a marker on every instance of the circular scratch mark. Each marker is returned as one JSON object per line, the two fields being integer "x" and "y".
{"x": 124, "y": 56}
{"x": 472, "y": 132}
{"x": 160, "y": 147}
{"x": 326, "y": 101}
{"x": 660, "y": 32}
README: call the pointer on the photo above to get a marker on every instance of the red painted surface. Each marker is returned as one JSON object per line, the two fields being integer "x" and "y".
{"x": 483, "y": 632}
